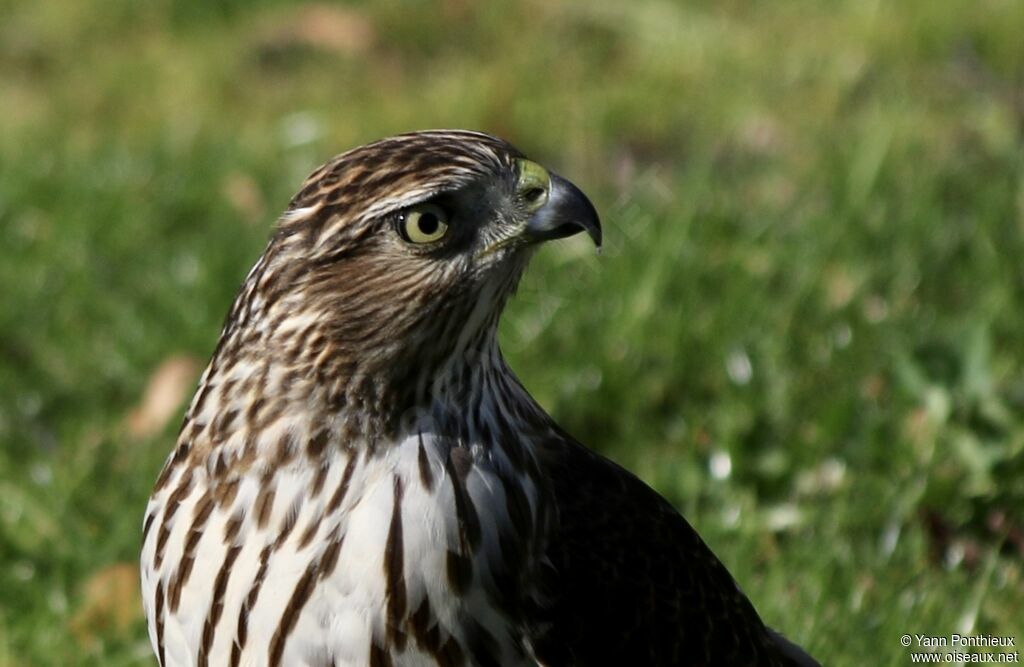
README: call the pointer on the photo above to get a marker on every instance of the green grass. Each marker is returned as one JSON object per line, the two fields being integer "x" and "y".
{"x": 815, "y": 272}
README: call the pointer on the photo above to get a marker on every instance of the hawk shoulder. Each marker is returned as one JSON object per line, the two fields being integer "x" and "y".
{"x": 634, "y": 582}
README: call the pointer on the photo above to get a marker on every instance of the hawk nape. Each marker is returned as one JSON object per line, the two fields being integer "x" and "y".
{"x": 361, "y": 480}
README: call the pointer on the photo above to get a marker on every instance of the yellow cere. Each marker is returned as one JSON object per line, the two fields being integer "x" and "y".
{"x": 534, "y": 184}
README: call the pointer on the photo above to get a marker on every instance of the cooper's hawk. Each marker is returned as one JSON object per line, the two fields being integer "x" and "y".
{"x": 361, "y": 480}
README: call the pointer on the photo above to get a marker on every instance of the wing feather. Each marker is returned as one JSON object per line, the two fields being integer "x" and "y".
{"x": 635, "y": 583}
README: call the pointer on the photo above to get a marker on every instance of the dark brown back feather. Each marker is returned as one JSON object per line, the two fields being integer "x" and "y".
{"x": 636, "y": 585}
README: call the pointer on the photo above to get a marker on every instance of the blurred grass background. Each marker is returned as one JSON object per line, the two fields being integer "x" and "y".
{"x": 807, "y": 329}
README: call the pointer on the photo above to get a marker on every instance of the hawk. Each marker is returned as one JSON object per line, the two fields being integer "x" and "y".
{"x": 360, "y": 478}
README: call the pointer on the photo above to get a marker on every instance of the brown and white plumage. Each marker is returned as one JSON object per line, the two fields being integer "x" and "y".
{"x": 361, "y": 480}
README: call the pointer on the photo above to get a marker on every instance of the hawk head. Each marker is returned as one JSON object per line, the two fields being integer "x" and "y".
{"x": 391, "y": 266}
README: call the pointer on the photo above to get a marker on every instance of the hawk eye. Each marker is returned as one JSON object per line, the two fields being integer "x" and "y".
{"x": 424, "y": 223}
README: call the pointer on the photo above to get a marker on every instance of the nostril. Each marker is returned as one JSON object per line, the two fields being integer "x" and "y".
{"x": 533, "y": 195}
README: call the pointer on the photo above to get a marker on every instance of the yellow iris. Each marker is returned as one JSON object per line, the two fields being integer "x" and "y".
{"x": 425, "y": 223}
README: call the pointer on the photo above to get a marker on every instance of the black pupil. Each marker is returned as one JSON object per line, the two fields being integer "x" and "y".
{"x": 533, "y": 194}
{"x": 428, "y": 223}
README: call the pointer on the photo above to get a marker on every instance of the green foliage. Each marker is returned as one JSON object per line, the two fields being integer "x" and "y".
{"x": 805, "y": 329}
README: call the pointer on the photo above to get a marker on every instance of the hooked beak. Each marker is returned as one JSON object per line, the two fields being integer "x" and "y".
{"x": 567, "y": 212}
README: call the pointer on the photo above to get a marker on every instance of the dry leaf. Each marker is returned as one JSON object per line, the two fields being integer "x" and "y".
{"x": 841, "y": 286}
{"x": 761, "y": 135}
{"x": 109, "y": 604}
{"x": 241, "y": 191}
{"x": 323, "y": 27}
{"x": 166, "y": 390}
